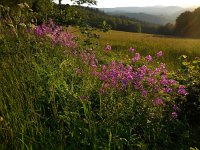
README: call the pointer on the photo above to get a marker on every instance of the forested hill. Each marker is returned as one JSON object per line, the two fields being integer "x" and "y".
{"x": 77, "y": 15}
{"x": 154, "y": 19}
{"x": 94, "y": 17}
{"x": 187, "y": 24}
{"x": 152, "y": 14}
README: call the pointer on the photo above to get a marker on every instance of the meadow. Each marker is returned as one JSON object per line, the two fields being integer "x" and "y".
{"x": 173, "y": 47}
{"x": 124, "y": 91}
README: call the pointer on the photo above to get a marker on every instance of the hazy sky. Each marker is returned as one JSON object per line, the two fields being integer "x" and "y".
{"x": 122, "y": 3}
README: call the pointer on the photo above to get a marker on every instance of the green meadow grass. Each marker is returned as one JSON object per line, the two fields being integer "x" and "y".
{"x": 173, "y": 47}
{"x": 45, "y": 104}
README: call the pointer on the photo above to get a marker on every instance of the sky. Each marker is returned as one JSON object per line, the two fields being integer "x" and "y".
{"x": 141, "y": 3}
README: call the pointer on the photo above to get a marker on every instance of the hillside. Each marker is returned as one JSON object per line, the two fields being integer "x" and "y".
{"x": 154, "y": 19}
{"x": 56, "y": 93}
{"x": 154, "y": 10}
{"x": 94, "y": 17}
{"x": 61, "y": 89}
{"x": 155, "y": 14}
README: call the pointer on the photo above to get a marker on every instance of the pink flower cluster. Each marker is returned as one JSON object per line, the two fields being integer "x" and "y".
{"x": 88, "y": 57}
{"x": 56, "y": 34}
{"x": 158, "y": 101}
{"x": 108, "y": 47}
{"x": 131, "y": 49}
{"x": 136, "y": 58}
{"x": 182, "y": 91}
{"x": 147, "y": 80}
{"x": 159, "y": 54}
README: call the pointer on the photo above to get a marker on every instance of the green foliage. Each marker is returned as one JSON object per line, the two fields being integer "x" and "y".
{"x": 189, "y": 75}
{"x": 167, "y": 29}
{"x": 50, "y": 100}
{"x": 77, "y": 15}
{"x": 187, "y": 24}
{"x": 12, "y": 3}
{"x": 191, "y": 148}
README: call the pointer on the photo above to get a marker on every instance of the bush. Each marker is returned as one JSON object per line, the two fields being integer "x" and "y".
{"x": 189, "y": 75}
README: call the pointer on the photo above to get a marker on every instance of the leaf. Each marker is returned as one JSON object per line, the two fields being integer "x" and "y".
{"x": 63, "y": 64}
{"x": 182, "y": 57}
{"x": 26, "y": 5}
{"x": 185, "y": 63}
{"x": 21, "y": 5}
{"x": 10, "y": 25}
{"x": 196, "y": 61}
{"x": 22, "y": 25}
{"x": 191, "y": 148}
{"x": 191, "y": 67}
{"x": 104, "y": 23}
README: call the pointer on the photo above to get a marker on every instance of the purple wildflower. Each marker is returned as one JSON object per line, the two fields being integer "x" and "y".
{"x": 182, "y": 91}
{"x": 157, "y": 71}
{"x": 130, "y": 77}
{"x": 158, "y": 101}
{"x": 159, "y": 54}
{"x": 148, "y": 58}
{"x": 136, "y": 58}
{"x": 175, "y": 107}
{"x": 174, "y": 115}
{"x": 131, "y": 49}
{"x": 167, "y": 90}
{"x": 56, "y": 34}
{"x": 103, "y": 77}
{"x": 108, "y": 47}
{"x": 144, "y": 93}
{"x": 162, "y": 66}
{"x": 164, "y": 80}
{"x": 38, "y": 31}
{"x": 171, "y": 82}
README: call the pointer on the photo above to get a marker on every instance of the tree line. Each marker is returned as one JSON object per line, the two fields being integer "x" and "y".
{"x": 77, "y": 15}
{"x": 187, "y": 24}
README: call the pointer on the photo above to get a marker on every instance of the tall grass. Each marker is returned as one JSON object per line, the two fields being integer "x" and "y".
{"x": 173, "y": 47}
{"x": 50, "y": 98}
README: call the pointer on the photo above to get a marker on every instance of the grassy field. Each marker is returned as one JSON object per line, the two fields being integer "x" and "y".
{"x": 61, "y": 94}
{"x": 173, "y": 47}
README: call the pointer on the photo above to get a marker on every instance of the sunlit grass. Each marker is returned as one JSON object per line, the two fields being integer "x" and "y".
{"x": 46, "y": 104}
{"x": 173, "y": 47}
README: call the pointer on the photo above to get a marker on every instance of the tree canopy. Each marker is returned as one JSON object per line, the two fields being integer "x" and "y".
{"x": 79, "y": 2}
{"x": 188, "y": 24}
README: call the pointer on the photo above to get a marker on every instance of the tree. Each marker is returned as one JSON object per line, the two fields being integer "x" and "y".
{"x": 80, "y": 2}
{"x": 182, "y": 22}
{"x": 167, "y": 29}
{"x": 188, "y": 23}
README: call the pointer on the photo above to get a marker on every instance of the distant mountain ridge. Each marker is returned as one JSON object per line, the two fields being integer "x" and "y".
{"x": 160, "y": 20}
{"x": 152, "y": 14}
